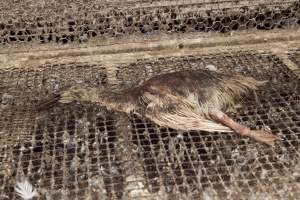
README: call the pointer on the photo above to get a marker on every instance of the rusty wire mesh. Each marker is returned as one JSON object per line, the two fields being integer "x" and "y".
{"x": 56, "y": 21}
{"x": 83, "y": 151}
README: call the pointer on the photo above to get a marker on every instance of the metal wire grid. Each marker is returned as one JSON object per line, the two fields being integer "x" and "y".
{"x": 58, "y": 22}
{"x": 295, "y": 57}
{"x": 82, "y": 151}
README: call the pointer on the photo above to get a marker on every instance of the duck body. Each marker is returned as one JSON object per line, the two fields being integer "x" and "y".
{"x": 184, "y": 100}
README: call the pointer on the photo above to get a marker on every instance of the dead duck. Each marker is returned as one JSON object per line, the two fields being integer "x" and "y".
{"x": 184, "y": 100}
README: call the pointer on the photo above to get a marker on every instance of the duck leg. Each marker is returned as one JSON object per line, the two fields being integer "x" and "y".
{"x": 258, "y": 135}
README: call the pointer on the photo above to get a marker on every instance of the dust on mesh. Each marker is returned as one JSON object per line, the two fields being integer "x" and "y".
{"x": 66, "y": 22}
{"x": 82, "y": 150}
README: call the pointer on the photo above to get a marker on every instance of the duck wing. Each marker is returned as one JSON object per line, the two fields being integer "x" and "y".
{"x": 170, "y": 109}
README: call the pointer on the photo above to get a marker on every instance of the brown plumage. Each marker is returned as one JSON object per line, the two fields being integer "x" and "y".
{"x": 186, "y": 100}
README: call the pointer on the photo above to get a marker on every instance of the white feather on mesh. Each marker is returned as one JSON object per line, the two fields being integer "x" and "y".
{"x": 25, "y": 190}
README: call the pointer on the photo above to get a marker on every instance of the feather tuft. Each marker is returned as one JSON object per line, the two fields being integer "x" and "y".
{"x": 25, "y": 190}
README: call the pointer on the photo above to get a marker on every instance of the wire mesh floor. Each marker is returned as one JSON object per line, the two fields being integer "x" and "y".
{"x": 64, "y": 22}
{"x": 83, "y": 151}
